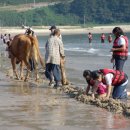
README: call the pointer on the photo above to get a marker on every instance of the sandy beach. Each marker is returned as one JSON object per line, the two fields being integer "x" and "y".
{"x": 65, "y": 30}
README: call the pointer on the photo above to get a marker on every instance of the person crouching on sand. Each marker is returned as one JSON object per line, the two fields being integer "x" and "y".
{"x": 115, "y": 80}
{"x": 97, "y": 86}
{"x": 111, "y": 78}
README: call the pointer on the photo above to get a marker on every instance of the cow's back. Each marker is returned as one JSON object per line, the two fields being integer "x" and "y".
{"x": 20, "y": 46}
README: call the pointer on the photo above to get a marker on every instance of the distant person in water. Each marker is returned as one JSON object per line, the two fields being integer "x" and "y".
{"x": 103, "y": 38}
{"x": 109, "y": 38}
{"x": 5, "y": 39}
{"x": 90, "y": 38}
{"x": 119, "y": 49}
{"x": 1, "y": 38}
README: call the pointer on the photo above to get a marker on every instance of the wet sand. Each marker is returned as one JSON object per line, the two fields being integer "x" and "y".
{"x": 27, "y": 106}
{"x": 65, "y": 30}
{"x": 34, "y": 106}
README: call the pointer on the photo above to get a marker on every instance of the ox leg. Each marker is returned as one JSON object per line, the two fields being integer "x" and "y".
{"x": 36, "y": 72}
{"x": 27, "y": 74}
{"x": 35, "y": 68}
{"x": 21, "y": 70}
{"x": 13, "y": 62}
{"x": 35, "y": 63}
{"x": 28, "y": 70}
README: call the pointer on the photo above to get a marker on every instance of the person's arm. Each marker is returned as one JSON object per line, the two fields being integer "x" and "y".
{"x": 95, "y": 87}
{"x": 87, "y": 89}
{"x": 108, "y": 79}
{"x": 122, "y": 48}
{"x": 109, "y": 91}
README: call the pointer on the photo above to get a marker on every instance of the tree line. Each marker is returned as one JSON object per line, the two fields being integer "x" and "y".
{"x": 17, "y": 2}
{"x": 71, "y": 13}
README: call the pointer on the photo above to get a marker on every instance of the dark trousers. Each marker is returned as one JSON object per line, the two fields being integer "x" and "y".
{"x": 90, "y": 40}
{"x": 53, "y": 70}
{"x": 119, "y": 63}
{"x": 102, "y": 41}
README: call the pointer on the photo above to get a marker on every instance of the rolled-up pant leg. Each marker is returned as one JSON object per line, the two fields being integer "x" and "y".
{"x": 56, "y": 72}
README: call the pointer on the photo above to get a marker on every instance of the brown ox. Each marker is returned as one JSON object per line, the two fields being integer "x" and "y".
{"x": 23, "y": 48}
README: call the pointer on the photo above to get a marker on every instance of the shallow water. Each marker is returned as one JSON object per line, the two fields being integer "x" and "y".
{"x": 25, "y": 106}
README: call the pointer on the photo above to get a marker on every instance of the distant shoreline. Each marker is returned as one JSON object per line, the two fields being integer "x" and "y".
{"x": 65, "y": 30}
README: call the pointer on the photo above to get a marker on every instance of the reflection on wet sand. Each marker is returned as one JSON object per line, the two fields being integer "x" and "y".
{"x": 25, "y": 106}
{"x": 21, "y": 88}
{"x": 36, "y": 108}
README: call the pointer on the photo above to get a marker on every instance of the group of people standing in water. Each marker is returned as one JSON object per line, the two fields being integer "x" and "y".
{"x": 103, "y": 38}
{"x": 104, "y": 81}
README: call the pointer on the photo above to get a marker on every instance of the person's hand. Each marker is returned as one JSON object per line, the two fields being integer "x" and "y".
{"x": 111, "y": 50}
{"x": 112, "y": 60}
{"x": 93, "y": 96}
{"x": 106, "y": 98}
{"x": 62, "y": 57}
{"x": 62, "y": 60}
{"x": 84, "y": 93}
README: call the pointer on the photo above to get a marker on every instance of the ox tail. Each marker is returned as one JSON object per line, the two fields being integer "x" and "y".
{"x": 35, "y": 45}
